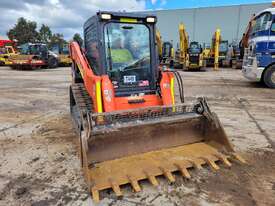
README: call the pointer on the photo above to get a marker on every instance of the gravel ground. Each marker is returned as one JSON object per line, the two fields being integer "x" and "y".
{"x": 39, "y": 163}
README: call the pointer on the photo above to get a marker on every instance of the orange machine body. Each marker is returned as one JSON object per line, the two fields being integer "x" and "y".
{"x": 101, "y": 89}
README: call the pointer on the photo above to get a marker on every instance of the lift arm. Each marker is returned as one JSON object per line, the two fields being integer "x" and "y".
{"x": 81, "y": 65}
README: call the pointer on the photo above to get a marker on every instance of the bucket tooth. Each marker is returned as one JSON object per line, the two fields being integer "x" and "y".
{"x": 183, "y": 171}
{"x": 223, "y": 159}
{"x": 95, "y": 195}
{"x": 135, "y": 184}
{"x": 212, "y": 163}
{"x": 116, "y": 188}
{"x": 238, "y": 157}
{"x": 168, "y": 175}
{"x": 152, "y": 179}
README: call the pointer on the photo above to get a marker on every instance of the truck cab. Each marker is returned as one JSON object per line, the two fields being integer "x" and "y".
{"x": 259, "y": 57}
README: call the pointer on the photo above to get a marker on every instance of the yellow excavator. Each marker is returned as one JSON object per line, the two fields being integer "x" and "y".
{"x": 129, "y": 125}
{"x": 165, "y": 51}
{"x": 213, "y": 58}
{"x": 189, "y": 56}
{"x": 206, "y": 50}
{"x": 182, "y": 51}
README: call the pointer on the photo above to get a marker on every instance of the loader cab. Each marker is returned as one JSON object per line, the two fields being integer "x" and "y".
{"x": 223, "y": 49}
{"x": 40, "y": 50}
{"x": 122, "y": 45}
{"x": 6, "y": 51}
{"x": 60, "y": 49}
{"x": 206, "y": 50}
{"x": 9, "y": 50}
{"x": 167, "y": 57}
{"x": 167, "y": 49}
{"x": 195, "y": 48}
{"x": 194, "y": 52}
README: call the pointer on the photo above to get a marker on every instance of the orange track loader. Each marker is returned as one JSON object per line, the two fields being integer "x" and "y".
{"x": 123, "y": 108}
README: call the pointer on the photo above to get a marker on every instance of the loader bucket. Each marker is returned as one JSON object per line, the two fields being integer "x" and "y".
{"x": 128, "y": 146}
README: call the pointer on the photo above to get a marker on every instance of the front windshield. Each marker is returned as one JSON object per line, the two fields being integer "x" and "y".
{"x": 65, "y": 50}
{"x": 207, "y": 46}
{"x": 194, "y": 48}
{"x": 24, "y": 49}
{"x": 35, "y": 49}
{"x": 223, "y": 46}
{"x": 260, "y": 23}
{"x": 57, "y": 49}
{"x": 127, "y": 48}
{"x": 166, "y": 49}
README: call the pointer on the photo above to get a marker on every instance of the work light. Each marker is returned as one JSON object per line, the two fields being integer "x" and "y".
{"x": 150, "y": 19}
{"x": 106, "y": 16}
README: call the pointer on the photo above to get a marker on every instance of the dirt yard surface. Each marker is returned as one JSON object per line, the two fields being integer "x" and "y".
{"x": 39, "y": 165}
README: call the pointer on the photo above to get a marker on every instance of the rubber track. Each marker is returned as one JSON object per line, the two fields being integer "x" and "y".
{"x": 82, "y": 98}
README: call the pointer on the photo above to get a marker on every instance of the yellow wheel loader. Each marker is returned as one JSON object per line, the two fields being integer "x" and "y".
{"x": 5, "y": 53}
{"x": 129, "y": 125}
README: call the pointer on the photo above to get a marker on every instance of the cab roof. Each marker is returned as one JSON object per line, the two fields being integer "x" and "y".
{"x": 271, "y": 10}
{"x": 122, "y": 14}
{"x": 127, "y": 14}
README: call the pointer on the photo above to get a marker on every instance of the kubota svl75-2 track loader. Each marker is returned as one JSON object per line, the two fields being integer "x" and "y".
{"x": 123, "y": 108}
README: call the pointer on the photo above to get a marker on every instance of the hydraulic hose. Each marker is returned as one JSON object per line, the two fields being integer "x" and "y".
{"x": 180, "y": 85}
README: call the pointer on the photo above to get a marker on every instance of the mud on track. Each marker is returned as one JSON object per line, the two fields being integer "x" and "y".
{"x": 39, "y": 164}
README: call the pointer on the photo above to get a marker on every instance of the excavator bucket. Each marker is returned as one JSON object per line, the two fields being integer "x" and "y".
{"x": 127, "y": 146}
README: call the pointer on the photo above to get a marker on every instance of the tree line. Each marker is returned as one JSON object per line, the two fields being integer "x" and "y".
{"x": 25, "y": 31}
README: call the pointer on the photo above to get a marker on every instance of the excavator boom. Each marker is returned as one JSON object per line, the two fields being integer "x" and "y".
{"x": 183, "y": 45}
{"x": 216, "y": 47}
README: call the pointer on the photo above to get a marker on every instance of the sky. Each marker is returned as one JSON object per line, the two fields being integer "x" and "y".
{"x": 68, "y": 16}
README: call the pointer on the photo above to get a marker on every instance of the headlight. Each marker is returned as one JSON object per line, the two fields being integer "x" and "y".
{"x": 106, "y": 16}
{"x": 150, "y": 19}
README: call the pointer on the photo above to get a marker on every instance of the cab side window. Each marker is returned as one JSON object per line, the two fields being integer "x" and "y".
{"x": 265, "y": 19}
{"x": 91, "y": 46}
{"x": 261, "y": 22}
